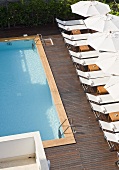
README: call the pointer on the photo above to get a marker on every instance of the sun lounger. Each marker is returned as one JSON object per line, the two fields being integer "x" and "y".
{"x": 91, "y": 74}
{"x": 70, "y": 22}
{"x": 76, "y": 37}
{"x": 105, "y": 109}
{"x": 72, "y": 27}
{"x": 75, "y": 43}
{"x": 89, "y": 84}
{"x": 86, "y": 54}
{"x": 114, "y": 137}
{"x": 94, "y": 82}
{"x": 101, "y": 99}
{"x": 109, "y": 126}
{"x": 84, "y": 62}
{"x": 112, "y": 140}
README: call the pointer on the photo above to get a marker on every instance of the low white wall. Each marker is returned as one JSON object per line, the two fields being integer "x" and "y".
{"x": 17, "y": 148}
{"x": 21, "y": 145}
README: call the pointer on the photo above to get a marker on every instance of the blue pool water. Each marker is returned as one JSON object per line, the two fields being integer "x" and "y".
{"x": 26, "y": 103}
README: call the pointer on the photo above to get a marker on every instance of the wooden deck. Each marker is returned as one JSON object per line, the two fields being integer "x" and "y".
{"x": 91, "y": 152}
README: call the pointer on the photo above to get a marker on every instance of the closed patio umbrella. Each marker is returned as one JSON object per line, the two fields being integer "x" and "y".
{"x": 103, "y": 23}
{"x": 104, "y": 41}
{"x": 112, "y": 87}
{"x": 90, "y": 8}
{"x": 109, "y": 62}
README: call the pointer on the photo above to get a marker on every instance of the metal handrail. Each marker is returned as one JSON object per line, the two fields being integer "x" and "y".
{"x": 74, "y": 131}
{"x": 66, "y": 128}
{"x": 37, "y": 39}
{"x": 62, "y": 123}
{"x": 41, "y": 38}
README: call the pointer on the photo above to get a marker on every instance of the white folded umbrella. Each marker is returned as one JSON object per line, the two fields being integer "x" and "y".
{"x": 90, "y": 8}
{"x": 104, "y": 41}
{"x": 103, "y": 23}
{"x": 112, "y": 86}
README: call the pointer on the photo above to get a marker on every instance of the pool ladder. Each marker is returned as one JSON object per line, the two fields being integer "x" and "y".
{"x": 44, "y": 40}
{"x": 41, "y": 38}
{"x": 73, "y": 128}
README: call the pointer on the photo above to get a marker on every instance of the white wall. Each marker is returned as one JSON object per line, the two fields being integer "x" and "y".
{"x": 24, "y": 144}
{"x": 17, "y": 147}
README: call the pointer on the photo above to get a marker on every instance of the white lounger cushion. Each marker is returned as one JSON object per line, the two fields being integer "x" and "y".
{"x": 75, "y": 43}
{"x": 101, "y": 99}
{"x": 85, "y": 54}
{"x": 70, "y": 22}
{"x": 84, "y": 62}
{"x": 76, "y": 37}
{"x": 94, "y": 82}
{"x": 111, "y": 126}
{"x": 91, "y": 74}
{"x": 72, "y": 27}
{"x": 105, "y": 109}
{"x": 113, "y": 137}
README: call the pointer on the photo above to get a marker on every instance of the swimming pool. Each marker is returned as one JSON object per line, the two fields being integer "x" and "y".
{"x": 26, "y": 104}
